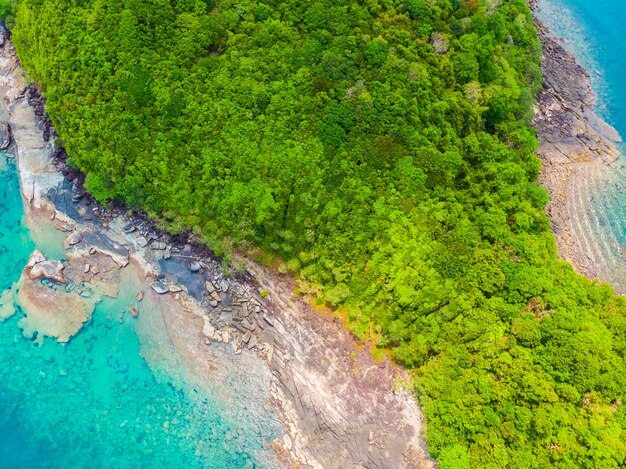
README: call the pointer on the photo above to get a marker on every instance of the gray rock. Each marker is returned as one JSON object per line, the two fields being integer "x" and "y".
{"x": 175, "y": 288}
{"x": 142, "y": 242}
{"x": 195, "y": 266}
{"x": 159, "y": 287}
{"x": 157, "y": 246}
{"x": 209, "y": 286}
{"x": 213, "y": 303}
{"x": 5, "y": 136}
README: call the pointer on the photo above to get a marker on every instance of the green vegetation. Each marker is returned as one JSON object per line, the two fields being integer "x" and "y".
{"x": 383, "y": 148}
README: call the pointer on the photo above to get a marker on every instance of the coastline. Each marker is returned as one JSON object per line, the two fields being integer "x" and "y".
{"x": 577, "y": 149}
{"x": 337, "y": 406}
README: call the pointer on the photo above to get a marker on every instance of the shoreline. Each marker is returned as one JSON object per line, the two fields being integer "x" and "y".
{"x": 576, "y": 149}
{"x": 337, "y": 406}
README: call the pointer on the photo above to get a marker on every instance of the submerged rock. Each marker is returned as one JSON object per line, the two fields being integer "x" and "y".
{"x": 52, "y": 312}
{"x": 7, "y": 305}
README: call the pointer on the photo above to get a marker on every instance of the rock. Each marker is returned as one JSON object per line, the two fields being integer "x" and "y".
{"x": 92, "y": 250}
{"x": 175, "y": 288}
{"x": 253, "y": 341}
{"x": 87, "y": 267}
{"x": 158, "y": 245}
{"x": 142, "y": 242}
{"x": 74, "y": 237}
{"x": 159, "y": 287}
{"x": 216, "y": 296}
{"x": 248, "y": 324}
{"x": 209, "y": 286}
{"x": 139, "y": 295}
{"x": 224, "y": 285}
{"x": 195, "y": 266}
{"x": 213, "y": 303}
{"x": 134, "y": 311}
{"x": 167, "y": 254}
{"x": 5, "y": 136}
{"x": 95, "y": 270}
{"x": 64, "y": 227}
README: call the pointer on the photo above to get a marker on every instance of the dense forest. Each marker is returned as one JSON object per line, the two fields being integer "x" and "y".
{"x": 383, "y": 149}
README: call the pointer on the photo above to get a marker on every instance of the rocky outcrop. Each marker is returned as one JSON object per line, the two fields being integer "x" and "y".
{"x": 569, "y": 129}
{"x": 38, "y": 267}
{"x": 58, "y": 299}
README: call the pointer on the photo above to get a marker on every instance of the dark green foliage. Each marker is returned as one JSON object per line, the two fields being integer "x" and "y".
{"x": 381, "y": 147}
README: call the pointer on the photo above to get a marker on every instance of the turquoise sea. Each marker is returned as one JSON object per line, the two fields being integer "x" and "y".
{"x": 594, "y": 33}
{"x": 94, "y": 402}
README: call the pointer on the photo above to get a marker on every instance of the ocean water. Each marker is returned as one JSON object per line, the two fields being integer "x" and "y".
{"x": 95, "y": 402}
{"x": 594, "y": 32}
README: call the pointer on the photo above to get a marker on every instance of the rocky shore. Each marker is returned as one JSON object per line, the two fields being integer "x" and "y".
{"x": 577, "y": 150}
{"x": 338, "y": 406}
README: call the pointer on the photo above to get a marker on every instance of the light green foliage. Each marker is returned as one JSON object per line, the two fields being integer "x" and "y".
{"x": 397, "y": 176}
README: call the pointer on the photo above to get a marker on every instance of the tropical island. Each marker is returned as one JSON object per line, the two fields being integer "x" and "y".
{"x": 382, "y": 154}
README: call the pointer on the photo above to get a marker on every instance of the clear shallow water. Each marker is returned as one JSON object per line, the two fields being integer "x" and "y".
{"x": 594, "y": 32}
{"x": 94, "y": 402}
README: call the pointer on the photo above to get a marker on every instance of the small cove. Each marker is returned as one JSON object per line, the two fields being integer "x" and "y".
{"x": 96, "y": 401}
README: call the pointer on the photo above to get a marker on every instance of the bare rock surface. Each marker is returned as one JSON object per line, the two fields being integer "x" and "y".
{"x": 341, "y": 408}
